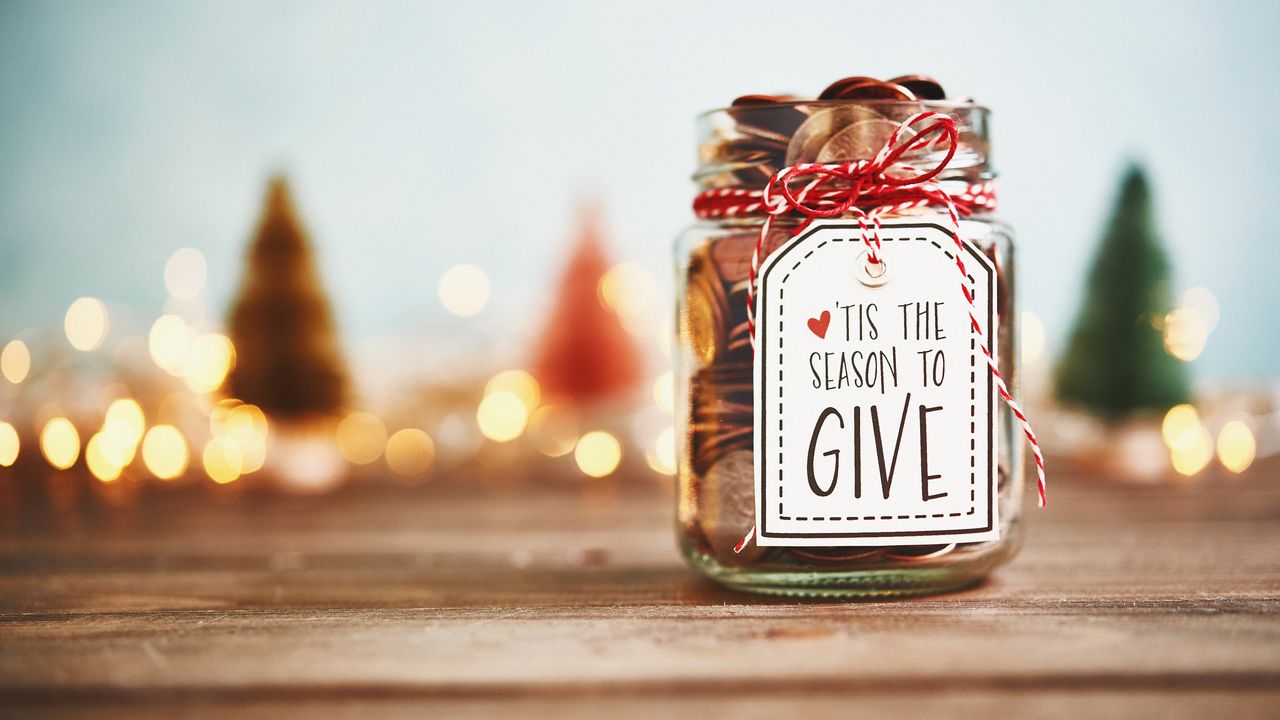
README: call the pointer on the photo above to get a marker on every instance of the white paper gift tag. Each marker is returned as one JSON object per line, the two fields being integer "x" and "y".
{"x": 875, "y": 409}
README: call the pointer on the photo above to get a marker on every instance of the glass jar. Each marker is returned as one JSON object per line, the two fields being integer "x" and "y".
{"x": 741, "y": 148}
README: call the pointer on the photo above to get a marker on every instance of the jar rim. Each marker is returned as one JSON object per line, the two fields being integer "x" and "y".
{"x": 946, "y": 105}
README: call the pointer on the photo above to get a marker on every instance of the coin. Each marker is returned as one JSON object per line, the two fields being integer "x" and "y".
{"x": 811, "y": 136}
{"x": 922, "y": 86}
{"x": 727, "y": 503}
{"x": 858, "y": 88}
{"x": 833, "y": 90}
{"x": 860, "y": 141}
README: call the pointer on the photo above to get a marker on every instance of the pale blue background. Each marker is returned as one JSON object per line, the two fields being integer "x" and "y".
{"x": 130, "y": 129}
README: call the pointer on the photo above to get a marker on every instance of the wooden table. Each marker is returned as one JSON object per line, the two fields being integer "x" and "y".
{"x": 439, "y": 601}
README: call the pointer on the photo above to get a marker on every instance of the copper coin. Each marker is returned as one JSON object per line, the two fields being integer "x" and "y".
{"x": 763, "y": 100}
{"x": 922, "y": 86}
{"x": 860, "y": 141}
{"x": 821, "y": 126}
{"x": 834, "y": 89}
{"x": 866, "y": 89}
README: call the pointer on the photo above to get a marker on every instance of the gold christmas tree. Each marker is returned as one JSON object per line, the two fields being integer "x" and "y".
{"x": 288, "y": 360}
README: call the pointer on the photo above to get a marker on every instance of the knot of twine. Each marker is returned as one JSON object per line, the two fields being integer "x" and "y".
{"x": 868, "y": 190}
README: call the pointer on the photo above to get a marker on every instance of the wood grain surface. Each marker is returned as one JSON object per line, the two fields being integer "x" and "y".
{"x": 519, "y": 601}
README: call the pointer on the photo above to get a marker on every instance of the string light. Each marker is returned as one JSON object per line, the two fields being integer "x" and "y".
{"x": 1236, "y": 446}
{"x": 464, "y": 290}
{"x": 1033, "y": 342}
{"x": 663, "y": 457}
{"x": 518, "y": 383}
{"x": 502, "y": 416}
{"x": 169, "y": 342}
{"x": 164, "y": 452}
{"x": 208, "y": 360}
{"x": 664, "y": 392}
{"x": 103, "y": 460}
{"x": 222, "y": 460}
{"x": 361, "y": 438}
{"x": 15, "y": 361}
{"x": 60, "y": 443}
{"x": 185, "y": 273}
{"x": 86, "y": 324}
{"x": 9, "y": 445}
{"x": 554, "y": 430}
{"x": 410, "y": 452}
{"x": 597, "y": 453}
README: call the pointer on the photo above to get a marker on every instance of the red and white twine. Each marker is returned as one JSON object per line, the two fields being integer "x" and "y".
{"x": 869, "y": 190}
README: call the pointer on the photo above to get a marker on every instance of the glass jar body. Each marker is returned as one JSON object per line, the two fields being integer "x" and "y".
{"x": 715, "y": 417}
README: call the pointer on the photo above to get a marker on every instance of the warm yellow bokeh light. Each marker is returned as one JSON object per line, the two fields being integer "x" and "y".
{"x": 663, "y": 457}
{"x": 664, "y": 392}
{"x": 628, "y": 288}
{"x": 1032, "y": 337}
{"x": 553, "y": 430}
{"x": 1236, "y": 446}
{"x": 410, "y": 452}
{"x": 15, "y": 361}
{"x": 244, "y": 425}
{"x": 518, "y": 383}
{"x": 361, "y": 438}
{"x": 169, "y": 341}
{"x": 464, "y": 290}
{"x": 597, "y": 453}
{"x": 86, "y": 324}
{"x": 1179, "y": 425}
{"x": 60, "y": 443}
{"x": 1185, "y": 334}
{"x": 9, "y": 445}
{"x": 185, "y": 273}
{"x": 223, "y": 462}
{"x": 102, "y": 458}
{"x": 1202, "y": 302}
{"x": 502, "y": 416}
{"x": 210, "y": 357}
{"x": 1193, "y": 451}
{"x": 125, "y": 423}
{"x": 164, "y": 451}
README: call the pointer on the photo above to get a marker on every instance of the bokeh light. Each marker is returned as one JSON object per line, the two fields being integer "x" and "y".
{"x": 10, "y": 444}
{"x": 664, "y": 392}
{"x": 629, "y": 290}
{"x": 464, "y": 290}
{"x": 86, "y": 324}
{"x": 1202, "y": 302}
{"x": 361, "y": 438}
{"x": 208, "y": 360}
{"x": 125, "y": 423}
{"x": 1033, "y": 341}
{"x": 598, "y": 453}
{"x": 1194, "y": 451}
{"x": 663, "y": 457}
{"x": 1179, "y": 424}
{"x": 185, "y": 273}
{"x": 518, "y": 383}
{"x": 1236, "y": 446}
{"x": 102, "y": 458}
{"x": 222, "y": 460}
{"x": 502, "y": 416}
{"x": 553, "y": 429}
{"x": 244, "y": 425}
{"x": 410, "y": 452}
{"x": 15, "y": 361}
{"x": 60, "y": 443}
{"x": 169, "y": 342}
{"x": 164, "y": 451}
{"x": 1185, "y": 334}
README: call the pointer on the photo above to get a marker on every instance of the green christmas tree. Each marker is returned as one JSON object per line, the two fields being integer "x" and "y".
{"x": 288, "y": 361}
{"x": 1116, "y": 363}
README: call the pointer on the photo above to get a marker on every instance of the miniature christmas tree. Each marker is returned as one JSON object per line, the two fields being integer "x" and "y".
{"x": 585, "y": 354}
{"x": 287, "y": 357}
{"x": 1116, "y": 363}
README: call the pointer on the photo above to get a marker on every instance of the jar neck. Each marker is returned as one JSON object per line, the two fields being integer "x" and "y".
{"x": 743, "y": 147}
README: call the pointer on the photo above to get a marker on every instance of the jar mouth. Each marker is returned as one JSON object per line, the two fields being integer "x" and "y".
{"x": 916, "y": 105}
{"x": 743, "y": 146}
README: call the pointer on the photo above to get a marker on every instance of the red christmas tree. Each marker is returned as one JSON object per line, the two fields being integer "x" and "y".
{"x": 585, "y": 355}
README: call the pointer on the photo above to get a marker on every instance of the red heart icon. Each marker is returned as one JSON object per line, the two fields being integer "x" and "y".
{"x": 820, "y": 324}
